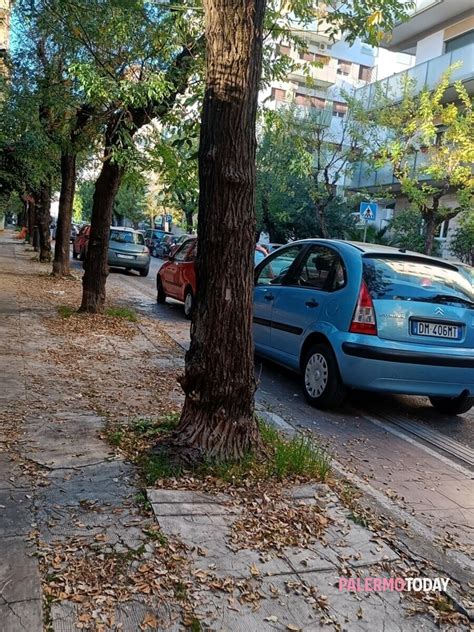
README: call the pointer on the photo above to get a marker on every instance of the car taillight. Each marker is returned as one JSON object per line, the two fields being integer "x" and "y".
{"x": 363, "y": 320}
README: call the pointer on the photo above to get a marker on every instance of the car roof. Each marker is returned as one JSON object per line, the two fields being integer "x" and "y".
{"x": 130, "y": 230}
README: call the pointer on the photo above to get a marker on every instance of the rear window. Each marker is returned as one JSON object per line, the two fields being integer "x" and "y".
{"x": 127, "y": 237}
{"x": 404, "y": 278}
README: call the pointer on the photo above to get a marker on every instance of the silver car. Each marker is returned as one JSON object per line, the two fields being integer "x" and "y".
{"x": 127, "y": 250}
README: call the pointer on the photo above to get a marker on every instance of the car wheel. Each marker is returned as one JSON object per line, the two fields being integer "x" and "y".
{"x": 82, "y": 255}
{"x": 144, "y": 272}
{"x": 322, "y": 384}
{"x": 160, "y": 292}
{"x": 154, "y": 253}
{"x": 452, "y": 405}
{"x": 188, "y": 303}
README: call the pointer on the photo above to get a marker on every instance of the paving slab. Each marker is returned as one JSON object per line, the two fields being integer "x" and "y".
{"x": 22, "y": 616}
{"x": 19, "y": 576}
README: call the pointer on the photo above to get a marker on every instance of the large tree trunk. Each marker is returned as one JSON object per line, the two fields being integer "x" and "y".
{"x": 43, "y": 219}
{"x": 218, "y": 418}
{"x": 96, "y": 269}
{"x": 66, "y": 199}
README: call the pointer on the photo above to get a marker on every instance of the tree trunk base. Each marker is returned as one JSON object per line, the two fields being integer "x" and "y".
{"x": 201, "y": 437}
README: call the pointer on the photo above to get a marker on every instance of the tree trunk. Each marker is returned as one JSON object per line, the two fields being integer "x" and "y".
{"x": 43, "y": 219}
{"x": 430, "y": 228}
{"x": 31, "y": 219}
{"x": 66, "y": 199}
{"x": 218, "y": 418}
{"x": 321, "y": 213}
{"x": 96, "y": 269}
{"x": 189, "y": 214}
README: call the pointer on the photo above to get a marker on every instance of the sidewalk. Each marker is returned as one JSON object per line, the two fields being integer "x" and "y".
{"x": 108, "y": 559}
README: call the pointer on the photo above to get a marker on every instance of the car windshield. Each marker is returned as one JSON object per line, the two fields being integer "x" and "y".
{"x": 410, "y": 279}
{"x": 126, "y": 237}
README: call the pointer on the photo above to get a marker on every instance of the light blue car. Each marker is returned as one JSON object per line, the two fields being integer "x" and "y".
{"x": 352, "y": 315}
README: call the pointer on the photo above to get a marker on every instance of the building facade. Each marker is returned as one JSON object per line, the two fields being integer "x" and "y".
{"x": 5, "y": 10}
{"x": 440, "y": 34}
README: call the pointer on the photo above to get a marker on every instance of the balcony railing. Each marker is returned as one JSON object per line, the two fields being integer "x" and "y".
{"x": 423, "y": 75}
{"x": 365, "y": 176}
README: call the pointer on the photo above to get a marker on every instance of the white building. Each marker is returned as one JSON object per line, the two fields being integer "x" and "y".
{"x": 439, "y": 34}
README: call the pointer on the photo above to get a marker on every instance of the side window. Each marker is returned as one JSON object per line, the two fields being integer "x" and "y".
{"x": 276, "y": 269}
{"x": 185, "y": 252}
{"x": 321, "y": 269}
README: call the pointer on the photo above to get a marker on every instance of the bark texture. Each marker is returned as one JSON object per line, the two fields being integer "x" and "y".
{"x": 31, "y": 219}
{"x": 96, "y": 269}
{"x": 66, "y": 199}
{"x": 218, "y": 414}
{"x": 43, "y": 220}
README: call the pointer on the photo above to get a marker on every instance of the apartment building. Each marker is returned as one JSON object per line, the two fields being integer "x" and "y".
{"x": 440, "y": 33}
{"x": 341, "y": 68}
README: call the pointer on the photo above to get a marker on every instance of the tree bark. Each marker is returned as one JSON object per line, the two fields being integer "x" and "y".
{"x": 66, "y": 199}
{"x": 96, "y": 269}
{"x": 31, "y": 219}
{"x": 189, "y": 214}
{"x": 218, "y": 418}
{"x": 430, "y": 228}
{"x": 43, "y": 219}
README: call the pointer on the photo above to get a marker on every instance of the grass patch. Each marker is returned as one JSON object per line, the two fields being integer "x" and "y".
{"x": 156, "y": 466}
{"x": 65, "y": 311}
{"x": 122, "y": 312}
{"x": 157, "y": 536}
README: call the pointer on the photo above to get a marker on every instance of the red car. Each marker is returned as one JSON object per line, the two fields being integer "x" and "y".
{"x": 177, "y": 277}
{"x": 79, "y": 245}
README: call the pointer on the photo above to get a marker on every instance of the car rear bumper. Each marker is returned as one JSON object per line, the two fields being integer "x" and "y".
{"x": 139, "y": 262}
{"x": 396, "y": 369}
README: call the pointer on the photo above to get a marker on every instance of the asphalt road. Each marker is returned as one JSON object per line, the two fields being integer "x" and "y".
{"x": 280, "y": 390}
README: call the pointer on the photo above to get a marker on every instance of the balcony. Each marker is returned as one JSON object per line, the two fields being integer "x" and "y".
{"x": 424, "y": 75}
{"x": 364, "y": 176}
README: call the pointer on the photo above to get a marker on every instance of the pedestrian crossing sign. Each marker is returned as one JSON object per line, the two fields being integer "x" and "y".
{"x": 368, "y": 211}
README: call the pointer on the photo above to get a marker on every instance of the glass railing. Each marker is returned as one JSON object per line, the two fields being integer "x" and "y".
{"x": 365, "y": 175}
{"x": 423, "y": 75}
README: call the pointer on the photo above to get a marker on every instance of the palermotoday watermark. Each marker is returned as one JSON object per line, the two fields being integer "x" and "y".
{"x": 399, "y": 584}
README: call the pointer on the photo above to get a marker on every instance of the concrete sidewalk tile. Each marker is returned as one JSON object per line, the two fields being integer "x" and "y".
{"x": 192, "y": 509}
{"x": 195, "y": 530}
{"x": 158, "y": 496}
{"x": 19, "y": 575}
{"x": 420, "y": 496}
{"x": 22, "y": 616}
{"x": 15, "y": 513}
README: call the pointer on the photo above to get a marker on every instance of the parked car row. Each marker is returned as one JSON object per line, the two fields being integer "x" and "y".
{"x": 351, "y": 315}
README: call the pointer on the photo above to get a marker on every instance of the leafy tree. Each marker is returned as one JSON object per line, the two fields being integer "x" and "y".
{"x": 299, "y": 165}
{"x": 131, "y": 201}
{"x": 462, "y": 243}
{"x": 429, "y": 145}
{"x": 406, "y": 230}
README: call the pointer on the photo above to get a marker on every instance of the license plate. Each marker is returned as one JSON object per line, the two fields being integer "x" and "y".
{"x": 435, "y": 330}
{"x": 125, "y": 256}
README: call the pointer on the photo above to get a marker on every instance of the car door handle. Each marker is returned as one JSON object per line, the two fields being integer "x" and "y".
{"x": 312, "y": 303}
{"x": 269, "y": 297}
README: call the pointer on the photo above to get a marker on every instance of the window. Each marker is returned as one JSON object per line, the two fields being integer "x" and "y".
{"x": 307, "y": 56}
{"x": 283, "y": 49}
{"x": 126, "y": 237}
{"x": 322, "y": 269}
{"x": 187, "y": 251}
{"x": 305, "y": 99}
{"x": 278, "y": 94}
{"x": 459, "y": 42}
{"x": 339, "y": 109}
{"x": 343, "y": 67}
{"x": 276, "y": 269}
{"x": 322, "y": 59}
{"x": 442, "y": 230}
{"x": 365, "y": 73}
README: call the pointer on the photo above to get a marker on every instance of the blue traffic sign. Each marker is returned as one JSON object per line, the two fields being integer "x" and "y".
{"x": 368, "y": 211}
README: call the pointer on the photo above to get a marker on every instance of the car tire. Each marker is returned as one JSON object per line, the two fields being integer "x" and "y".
{"x": 188, "y": 303}
{"x": 144, "y": 272}
{"x": 452, "y": 405}
{"x": 321, "y": 380}
{"x": 153, "y": 252}
{"x": 82, "y": 255}
{"x": 160, "y": 292}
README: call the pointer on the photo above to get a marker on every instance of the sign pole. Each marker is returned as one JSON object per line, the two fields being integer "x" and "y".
{"x": 365, "y": 230}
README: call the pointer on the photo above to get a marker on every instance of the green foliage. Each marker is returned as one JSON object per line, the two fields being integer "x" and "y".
{"x": 429, "y": 143}
{"x": 66, "y": 311}
{"x": 407, "y": 230}
{"x": 462, "y": 242}
{"x": 122, "y": 312}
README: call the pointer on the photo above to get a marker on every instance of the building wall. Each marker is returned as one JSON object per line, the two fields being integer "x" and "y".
{"x": 430, "y": 47}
